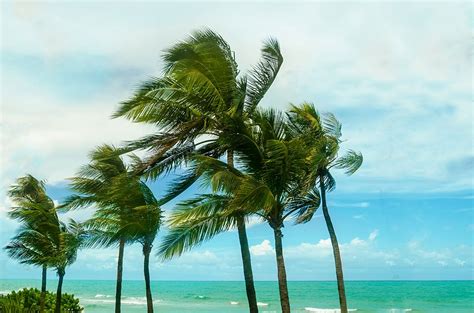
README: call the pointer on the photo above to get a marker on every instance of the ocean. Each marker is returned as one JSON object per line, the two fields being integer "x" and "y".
{"x": 305, "y": 296}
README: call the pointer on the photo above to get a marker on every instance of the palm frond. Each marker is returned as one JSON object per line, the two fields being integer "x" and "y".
{"x": 264, "y": 73}
{"x": 332, "y": 126}
{"x": 350, "y": 162}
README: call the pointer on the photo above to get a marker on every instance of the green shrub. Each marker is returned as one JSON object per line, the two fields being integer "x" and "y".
{"x": 28, "y": 300}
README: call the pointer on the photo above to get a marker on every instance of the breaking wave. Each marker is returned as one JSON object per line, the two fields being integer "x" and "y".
{"x": 319, "y": 310}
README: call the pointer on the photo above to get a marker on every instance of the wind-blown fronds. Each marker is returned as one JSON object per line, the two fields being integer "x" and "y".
{"x": 350, "y": 162}
{"x": 305, "y": 206}
{"x": 331, "y": 126}
{"x": 195, "y": 221}
{"x": 264, "y": 73}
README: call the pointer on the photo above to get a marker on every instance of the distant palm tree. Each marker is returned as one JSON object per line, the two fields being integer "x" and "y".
{"x": 199, "y": 104}
{"x": 323, "y": 138}
{"x": 94, "y": 186}
{"x": 33, "y": 209}
{"x": 42, "y": 238}
{"x": 142, "y": 224}
{"x": 127, "y": 210}
{"x": 68, "y": 239}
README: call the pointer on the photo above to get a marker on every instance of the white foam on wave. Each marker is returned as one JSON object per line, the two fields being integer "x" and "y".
{"x": 319, "y": 310}
{"x": 125, "y": 300}
{"x": 234, "y": 302}
{"x": 262, "y": 304}
{"x": 102, "y": 296}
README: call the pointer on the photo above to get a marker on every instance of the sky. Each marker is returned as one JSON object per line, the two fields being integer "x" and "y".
{"x": 398, "y": 75}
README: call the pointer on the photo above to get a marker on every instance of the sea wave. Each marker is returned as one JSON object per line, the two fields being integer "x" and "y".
{"x": 99, "y": 299}
{"x": 319, "y": 310}
{"x": 202, "y": 297}
{"x": 234, "y": 302}
{"x": 103, "y": 296}
{"x": 262, "y": 304}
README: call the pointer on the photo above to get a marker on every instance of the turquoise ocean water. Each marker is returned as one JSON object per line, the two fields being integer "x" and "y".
{"x": 213, "y": 297}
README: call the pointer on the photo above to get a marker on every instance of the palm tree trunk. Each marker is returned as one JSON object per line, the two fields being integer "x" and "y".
{"x": 146, "y": 269}
{"x": 118, "y": 288}
{"x": 61, "y": 273}
{"x": 43, "y": 288}
{"x": 247, "y": 265}
{"x": 282, "y": 283}
{"x": 245, "y": 253}
{"x": 335, "y": 249}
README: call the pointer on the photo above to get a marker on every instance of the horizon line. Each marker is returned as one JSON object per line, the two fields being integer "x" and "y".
{"x": 276, "y": 281}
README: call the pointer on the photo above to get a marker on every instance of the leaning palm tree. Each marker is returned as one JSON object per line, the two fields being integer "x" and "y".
{"x": 270, "y": 182}
{"x": 34, "y": 210}
{"x": 143, "y": 222}
{"x": 94, "y": 186}
{"x": 31, "y": 246}
{"x": 67, "y": 239}
{"x": 198, "y": 103}
{"x": 323, "y": 138}
{"x": 127, "y": 210}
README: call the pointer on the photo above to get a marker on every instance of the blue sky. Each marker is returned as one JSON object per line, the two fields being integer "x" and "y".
{"x": 397, "y": 75}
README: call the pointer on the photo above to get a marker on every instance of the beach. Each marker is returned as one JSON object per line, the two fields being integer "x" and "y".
{"x": 306, "y": 296}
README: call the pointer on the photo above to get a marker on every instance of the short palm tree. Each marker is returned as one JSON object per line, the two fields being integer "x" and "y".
{"x": 42, "y": 238}
{"x": 34, "y": 210}
{"x": 127, "y": 210}
{"x": 67, "y": 240}
{"x": 143, "y": 222}
{"x": 323, "y": 139}
{"x": 94, "y": 186}
{"x": 198, "y": 104}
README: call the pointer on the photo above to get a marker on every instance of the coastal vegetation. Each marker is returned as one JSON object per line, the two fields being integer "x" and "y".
{"x": 257, "y": 162}
{"x": 32, "y": 299}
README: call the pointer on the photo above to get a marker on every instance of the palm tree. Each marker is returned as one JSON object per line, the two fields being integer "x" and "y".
{"x": 142, "y": 224}
{"x": 67, "y": 239}
{"x": 272, "y": 184}
{"x": 327, "y": 131}
{"x": 42, "y": 238}
{"x": 94, "y": 186}
{"x": 127, "y": 209}
{"x": 33, "y": 209}
{"x": 198, "y": 104}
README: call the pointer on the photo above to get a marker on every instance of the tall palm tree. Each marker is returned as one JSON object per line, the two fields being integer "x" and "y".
{"x": 323, "y": 138}
{"x": 94, "y": 186}
{"x": 197, "y": 104}
{"x": 270, "y": 182}
{"x": 33, "y": 209}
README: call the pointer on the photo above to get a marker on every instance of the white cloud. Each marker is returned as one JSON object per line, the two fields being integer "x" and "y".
{"x": 264, "y": 248}
{"x": 373, "y": 235}
{"x": 357, "y": 242}
{"x": 408, "y": 81}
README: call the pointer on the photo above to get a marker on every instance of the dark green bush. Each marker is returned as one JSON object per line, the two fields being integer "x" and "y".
{"x": 28, "y": 300}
